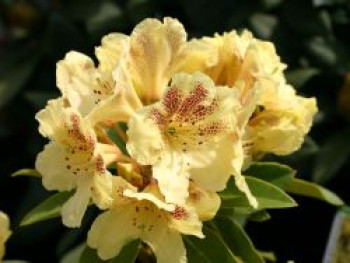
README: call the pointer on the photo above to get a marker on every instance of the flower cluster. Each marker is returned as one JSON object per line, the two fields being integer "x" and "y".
{"x": 197, "y": 112}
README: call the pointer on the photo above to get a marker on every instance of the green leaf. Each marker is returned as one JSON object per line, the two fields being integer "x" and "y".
{"x": 26, "y": 172}
{"x": 48, "y": 209}
{"x": 299, "y": 77}
{"x": 127, "y": 255}
{"x": 332, "y": 156}
{"x": 260, "y": 216}
{"x": 274, "y": 173}
{"x": 211, "y": 249}
{"x": 267, "y": 194}
{"x": 238, "y": 241}
{"x": 118, "y": 140}
{"x": 301, "y": 187}
{"x": 268, "y": 256}
{"x": 263, "y": 25}
{"x": 73, "y": 255}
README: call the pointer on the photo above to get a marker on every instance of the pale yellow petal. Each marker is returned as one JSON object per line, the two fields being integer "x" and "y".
{"x": 51, "y": 118}
{"x": 74, "y": 209}
{"x": 213, "y": 168}
{"x": 5, "y": 232}
{"x": 185, "y": 220}
{"x": 167, "y": 246}
{"x": 109, "y": 52}
{"x": 206, "y": 203}
{"x": 102, "y": 190}
{"x": 149, "y": 197}
{"x": 153, "y": 47}
{"x": 172, "y": 177}
{"x": 145, "y": 142}
{"x": 51, "y": 164}
{"x": 111, "y": 231}
{"x": 76, "y": 78}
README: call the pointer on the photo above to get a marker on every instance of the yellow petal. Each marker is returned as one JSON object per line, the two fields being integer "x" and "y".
{"x": 76, "y": 77}
{"x": 109, "y": 52}
{"x": 154, "y": 47}
{"x": 167, "y": 246}
{"x": 52, "y": 165}
{"x": 5, "y": 232}
{"x": 74, "y": 209}
{"x": 102, "y": 190}
{"x": 206, "y": 203}
{"x": 172, "y": 177}
{"x": 145, "y": 142}
{"x": 111, "y": 231}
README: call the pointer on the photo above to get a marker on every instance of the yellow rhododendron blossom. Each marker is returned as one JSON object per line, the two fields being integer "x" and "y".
{"x": 188, "y": 133}
{"x": 144, "y": 215}
{"x": 281, "y": 118}
{"x": 74, "y": 159}
{"x": 281, "y": 125}
{"x": 5, "y": 233}
{"x": 105, "y": 93}
{"x": 157, "y": 51}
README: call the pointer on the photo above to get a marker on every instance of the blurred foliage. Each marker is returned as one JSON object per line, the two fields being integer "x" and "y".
{"x": 311, "y": 36}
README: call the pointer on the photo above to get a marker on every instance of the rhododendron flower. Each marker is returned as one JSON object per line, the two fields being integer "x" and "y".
{"x": 281, "y": 118}
{"x": 4, "y": 233}
{"x": 74, "y": 159}
{"x": 105, "y": 92}
{"x": 188, "y": 132}
{"x": 144, "y": 215}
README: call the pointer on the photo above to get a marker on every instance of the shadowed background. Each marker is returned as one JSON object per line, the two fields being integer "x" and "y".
{"x": 312, "y": 37}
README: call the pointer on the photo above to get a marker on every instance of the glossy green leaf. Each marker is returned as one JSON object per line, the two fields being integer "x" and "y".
{"x": 301, "y": 187}
{"x": 238, "y": 240}
{"x": 211, "y": 249}
{"x": 274, "y": 173}
{"x": 332, "y": 156}
{"x": 127, "y": 255}
{"x": 26, "y": 172}
{"x": 267, "y": 194}
{"x": 48, "y": 209}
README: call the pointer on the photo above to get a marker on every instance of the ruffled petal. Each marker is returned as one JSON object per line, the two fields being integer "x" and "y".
{"x": 108, "y": 54}
{"x": 76, "y": 77}
{"x": 153, "y": 48}
{"x": 74, "y": 209}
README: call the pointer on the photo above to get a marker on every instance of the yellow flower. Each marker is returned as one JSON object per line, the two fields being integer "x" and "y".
{"x": 281, "y": 125}
{"x": 4, "y": 233}
{"x": 74, "y": 159}
{"x": 157, "y": 50}
{"x": 274, "y": 119}
{"x": 191, "y": 132}
{"x": 144, "y": 215}
{"x": 105, "y": 92}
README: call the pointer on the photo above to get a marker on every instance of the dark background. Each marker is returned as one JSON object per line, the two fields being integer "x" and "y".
{"x": 312, "y": 37}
